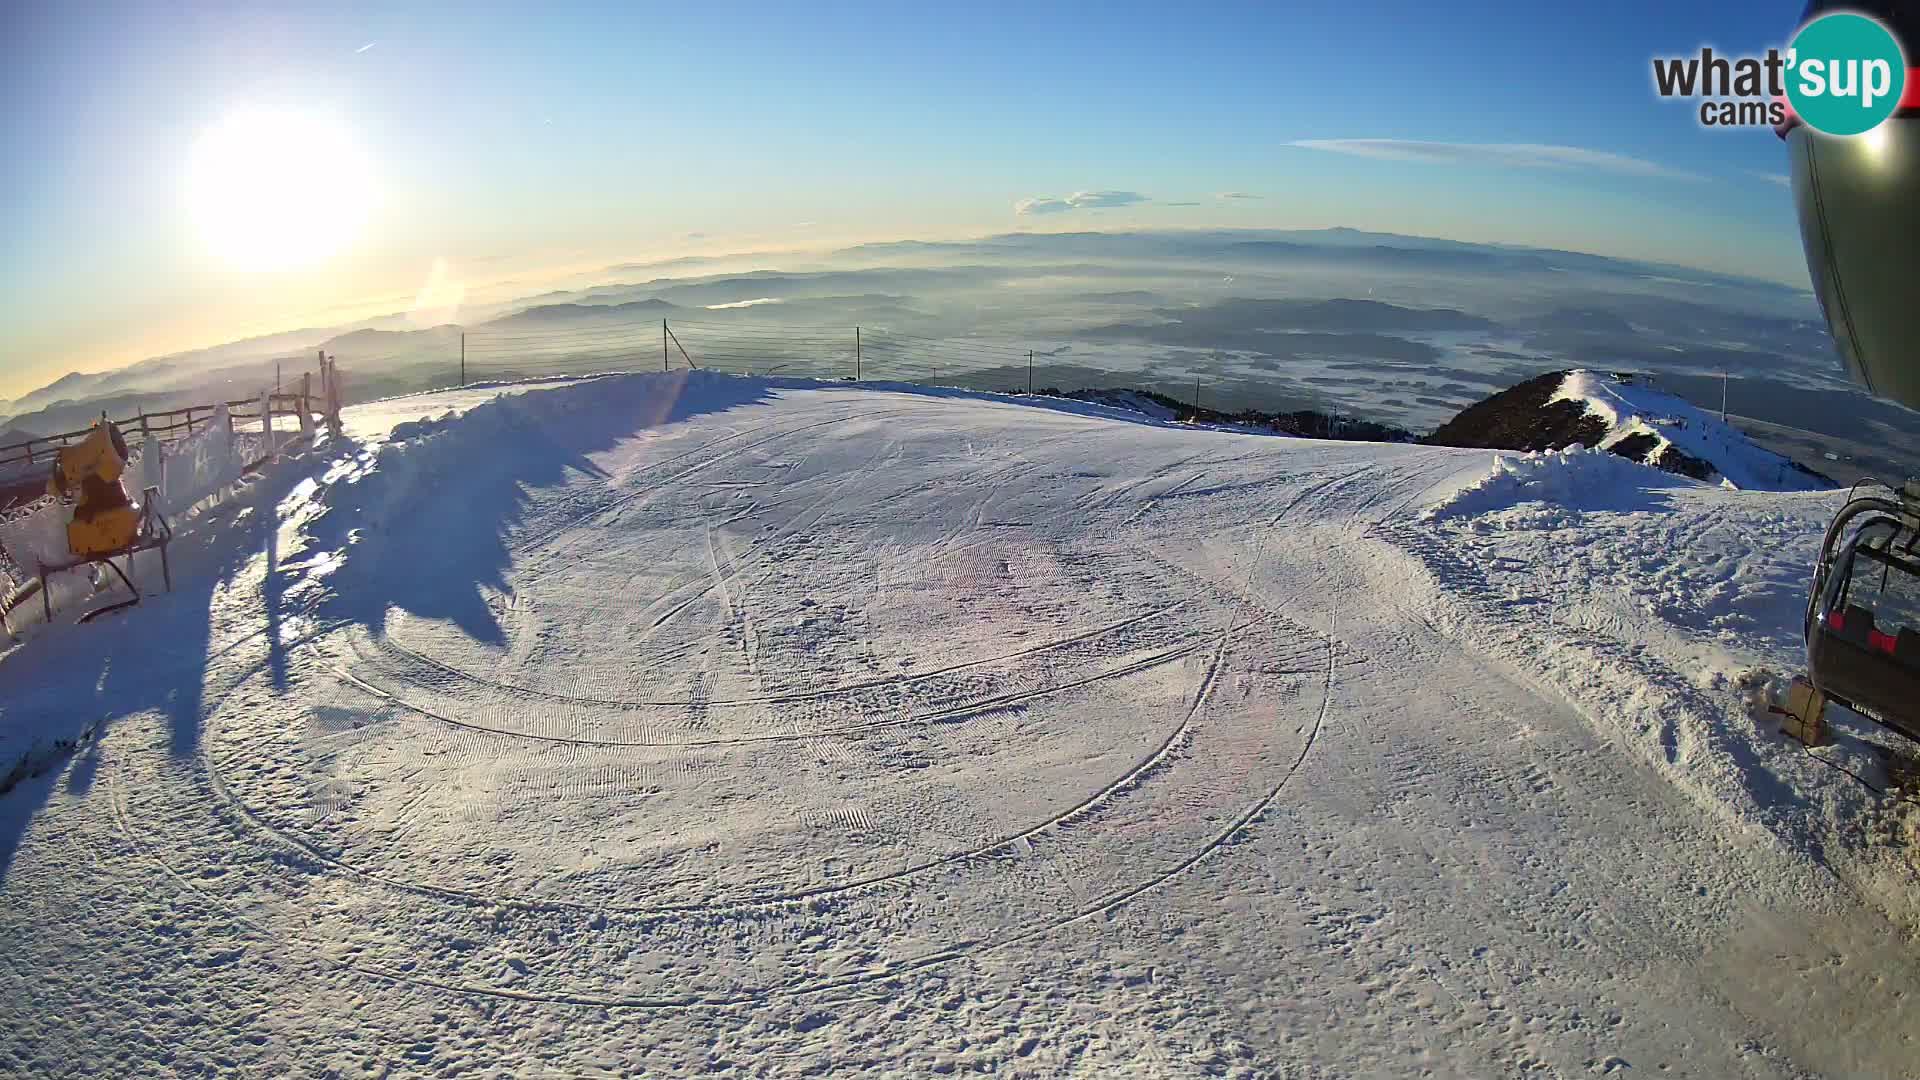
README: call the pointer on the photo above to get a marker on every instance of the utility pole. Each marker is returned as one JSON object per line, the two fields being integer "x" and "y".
{"x": 856, "y": 354}
{"x": 1029, "y": 372}
{"x": 1196, "y": 399}
{"x": 463, "y": 358}
{"x": 663, "y": 344}
{"x": 276, "y": 376}
{"x": 1723, "y": 396}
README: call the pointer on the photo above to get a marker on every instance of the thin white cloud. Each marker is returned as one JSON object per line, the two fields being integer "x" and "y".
{"x": 1177, "y": 204}
{"x": 1079, "y": 200}
{"x": 1782, "y": 179}
{"x": 365, "y": 47}
{"x": 745, "y": 303}
{"x": 1238, "y": 195}
{"x": 1507, "y": 155}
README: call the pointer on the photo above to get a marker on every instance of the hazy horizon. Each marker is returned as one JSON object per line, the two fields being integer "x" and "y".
{"x": 183, "y": 179}
{"x": 440, "y": 301}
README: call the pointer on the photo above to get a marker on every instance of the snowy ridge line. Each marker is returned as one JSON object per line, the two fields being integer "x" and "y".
{"x": 947, "y": 715}
{"x": 1070, "y": 405}
{"x": 493, "y": 384}
{"x": 387, "y": 644}
{"x": 1153, "y": 763}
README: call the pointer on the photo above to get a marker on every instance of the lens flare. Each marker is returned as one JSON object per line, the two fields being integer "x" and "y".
{"x": 1873, "y": 141}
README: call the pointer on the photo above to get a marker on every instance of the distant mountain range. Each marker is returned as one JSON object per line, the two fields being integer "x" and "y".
{"x": 1339, "y": 319}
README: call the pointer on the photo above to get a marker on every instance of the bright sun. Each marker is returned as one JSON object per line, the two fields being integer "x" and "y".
{"x": 277, "y": 189}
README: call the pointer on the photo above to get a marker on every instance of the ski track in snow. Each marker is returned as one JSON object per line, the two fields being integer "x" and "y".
{"x": 855, "y": 731}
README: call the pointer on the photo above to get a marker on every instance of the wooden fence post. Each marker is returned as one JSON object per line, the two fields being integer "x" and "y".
{"x": 333, "y": 398}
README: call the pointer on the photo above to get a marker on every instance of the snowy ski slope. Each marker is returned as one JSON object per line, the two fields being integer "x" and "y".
{"x": 682, "y": 723}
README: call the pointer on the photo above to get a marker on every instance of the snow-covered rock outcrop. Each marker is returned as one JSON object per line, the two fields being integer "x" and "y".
{"x": 1627, "y": 418}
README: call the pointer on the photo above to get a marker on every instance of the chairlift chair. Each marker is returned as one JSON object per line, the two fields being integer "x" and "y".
{"x": 1863, "y": 612}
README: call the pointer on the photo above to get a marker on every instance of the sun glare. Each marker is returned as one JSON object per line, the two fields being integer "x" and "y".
{"x": 277, "y": 189}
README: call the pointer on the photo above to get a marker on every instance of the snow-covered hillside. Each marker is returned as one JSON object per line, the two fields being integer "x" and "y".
{"x": 1628, "y": 417}
{"x": 681, "y": 723}
{"x": 1667, "y": 426}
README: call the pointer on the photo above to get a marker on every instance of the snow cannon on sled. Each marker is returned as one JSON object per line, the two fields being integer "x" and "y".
{"x": 1863, "y": 617}
{"x": 105, "y": 524}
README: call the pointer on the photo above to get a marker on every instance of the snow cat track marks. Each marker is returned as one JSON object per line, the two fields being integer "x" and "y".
{"x": 944, "y": 715}
{"x": 552, "y": 540}
{"x": 703, "y": 582}
{"x": 1149, "y": 766}
{"x": 722, "y": 569}
{"x": 1147, "y": 505}
{"x": 386, "y": 644}
{"x": 1316, "y": 490}
{"x": 1431, "y": 478}
{"x": 739, "y": 622}
{"x": 1096, "y": 500}
{"x": 1401, "y": 475}
{"x": 1246, "y": 819}
{"x": 1495, "y": 640}
{"x": 1234, "y": 597}
{"x": 379, "y": 972}
{"x": 803, "y": 986}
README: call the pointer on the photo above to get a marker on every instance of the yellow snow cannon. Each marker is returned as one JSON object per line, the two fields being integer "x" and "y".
{"x": 105, "y": 521}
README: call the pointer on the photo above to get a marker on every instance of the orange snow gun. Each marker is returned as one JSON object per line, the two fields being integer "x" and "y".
{"x": 105, "y": 521}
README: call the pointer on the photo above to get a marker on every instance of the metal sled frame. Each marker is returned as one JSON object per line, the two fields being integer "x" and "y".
{"x": 153, "y": 533}
{"x": 1849, "y": 659}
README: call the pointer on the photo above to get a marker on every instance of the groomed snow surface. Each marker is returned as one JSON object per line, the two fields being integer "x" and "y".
{"x": 680, "y": 723}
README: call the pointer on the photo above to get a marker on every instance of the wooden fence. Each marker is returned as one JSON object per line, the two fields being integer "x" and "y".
{"x": 23, "y": 464}
{"x": 172, "y": 425}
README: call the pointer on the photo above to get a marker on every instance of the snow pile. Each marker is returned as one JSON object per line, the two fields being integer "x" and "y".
{"x": 1576, "y": 479}
{"x": 36, "y": 536}
{"x": 192, "y": 469}
{"x": 501, "y": 455}
{"x": 1666, "y": 430}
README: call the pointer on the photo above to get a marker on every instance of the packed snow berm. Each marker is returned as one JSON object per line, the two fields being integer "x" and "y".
{"x": 669, "y": 723}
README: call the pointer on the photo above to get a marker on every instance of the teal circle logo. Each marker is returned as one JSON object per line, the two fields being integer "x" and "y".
{"x": 1846, "y": 74}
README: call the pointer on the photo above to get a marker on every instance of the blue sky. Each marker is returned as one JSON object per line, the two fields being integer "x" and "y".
{"x": 509, "y": 142}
